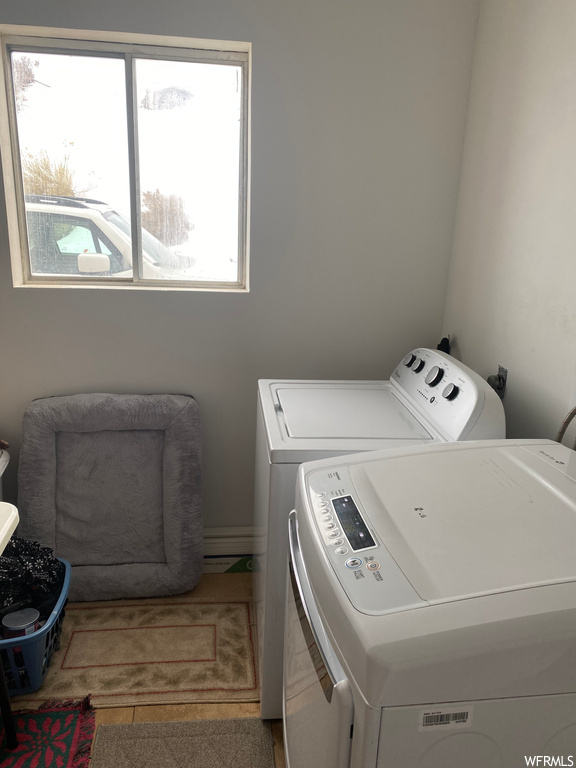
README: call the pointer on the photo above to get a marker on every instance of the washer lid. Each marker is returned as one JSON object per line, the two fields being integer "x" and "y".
{"x": 473, "y": 520}
{"x": 347, "y": 413}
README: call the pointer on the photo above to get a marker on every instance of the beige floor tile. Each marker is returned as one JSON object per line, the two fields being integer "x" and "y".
{"x": 277, "y": 735}
{"x": 223, "y": 586}
{"x": 202, "y": 711}
{"x": 114, "y": 716}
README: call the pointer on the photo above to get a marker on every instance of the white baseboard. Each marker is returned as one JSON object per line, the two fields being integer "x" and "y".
{"x": 229, "y": 541}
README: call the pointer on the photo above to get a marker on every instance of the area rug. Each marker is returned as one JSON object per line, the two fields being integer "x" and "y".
{"x": 240, "y": 743}
{"x": 58, "y": 735}
{"x": 159, "y": 651}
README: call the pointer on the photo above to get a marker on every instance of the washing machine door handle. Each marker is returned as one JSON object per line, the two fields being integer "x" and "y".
{"x": 301, "y": 583}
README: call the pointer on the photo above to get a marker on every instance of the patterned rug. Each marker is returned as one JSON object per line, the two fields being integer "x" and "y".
{"x": 58, "y": 735}
{"x": 159, "y": 651}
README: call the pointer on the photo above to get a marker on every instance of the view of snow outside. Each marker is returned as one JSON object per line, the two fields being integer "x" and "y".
{"x": 188, "y": 122}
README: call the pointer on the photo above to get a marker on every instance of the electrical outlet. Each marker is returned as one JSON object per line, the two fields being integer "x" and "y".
{"x": 498, "y": 381}
{"x": 503, "y": 375}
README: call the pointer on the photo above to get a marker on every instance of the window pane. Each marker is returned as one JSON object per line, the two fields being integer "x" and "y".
{"x": 189, "y": 162}
{"x": 79, "y": 155}
{"x": 72, "y": 132}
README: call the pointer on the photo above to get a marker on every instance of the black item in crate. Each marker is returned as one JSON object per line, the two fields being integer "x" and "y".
{"x": 30, "y": 577}
{"x": 26, "y": 659}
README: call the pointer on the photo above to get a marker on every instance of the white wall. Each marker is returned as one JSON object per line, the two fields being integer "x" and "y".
{"x": 512, "y": 297}
{"x": 358, "y": 122}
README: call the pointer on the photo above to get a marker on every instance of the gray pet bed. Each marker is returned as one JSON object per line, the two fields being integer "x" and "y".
{"x": 112, "y": 484}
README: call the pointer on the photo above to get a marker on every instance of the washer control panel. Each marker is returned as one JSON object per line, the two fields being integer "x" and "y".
{"x": 444, "y": 390}
{"x": 366, "y": 570}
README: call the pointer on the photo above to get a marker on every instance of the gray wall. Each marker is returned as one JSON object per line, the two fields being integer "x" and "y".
{"x": 358, "y": 118}
{"x": 511, "y": 298}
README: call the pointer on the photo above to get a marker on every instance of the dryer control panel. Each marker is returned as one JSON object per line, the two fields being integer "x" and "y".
{"x": 344, "y": 534}
{"x": 454, "y": 398}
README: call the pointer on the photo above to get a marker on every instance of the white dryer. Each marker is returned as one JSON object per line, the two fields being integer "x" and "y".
{"x": 431, "y": 613}
{"x": 430, "y": 397}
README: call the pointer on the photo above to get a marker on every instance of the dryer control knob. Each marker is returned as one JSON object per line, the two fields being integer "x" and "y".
{"x": 418, "y": 365}
{"x": 434, "y": 376}
{"x": 409, "y": 359}
{"x": 450, "y": 391}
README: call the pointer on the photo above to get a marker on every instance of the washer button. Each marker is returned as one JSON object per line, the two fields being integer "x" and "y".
{"x": 409, "y": 359}
{"x": 323, "y": 504}
{"x": 373, "y": 565}
{"x": 450, "y": 391}
{"x": 434, "y": 376}
{"x": 418, "y": 365}
{"x": 326, "y": 518}
{"x": 330, "y": 526}
{"x": 341, "y": 550}
{"x": 354, "y": 562}
{"x": 337, "y": 542}
{"x": 333, "y": 534}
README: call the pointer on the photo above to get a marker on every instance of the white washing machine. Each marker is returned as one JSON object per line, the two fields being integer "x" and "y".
{"x": 430, "y": 397}
{"x": 431, "y": 610}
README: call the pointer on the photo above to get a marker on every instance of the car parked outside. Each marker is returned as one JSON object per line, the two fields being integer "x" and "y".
{"x": 79, "y": 236}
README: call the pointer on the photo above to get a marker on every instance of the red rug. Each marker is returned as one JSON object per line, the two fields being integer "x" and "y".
{"x": 58, "y": 735}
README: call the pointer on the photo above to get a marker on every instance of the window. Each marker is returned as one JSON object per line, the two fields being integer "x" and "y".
{"x": 125, "y": 160}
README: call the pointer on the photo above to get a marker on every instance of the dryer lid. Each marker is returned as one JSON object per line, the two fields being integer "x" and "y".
{"x": 472, "y": 520}
{"x": 341, "y": 412}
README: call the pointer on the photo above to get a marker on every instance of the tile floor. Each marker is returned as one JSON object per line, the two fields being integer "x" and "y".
{"x": 224, "y": 586}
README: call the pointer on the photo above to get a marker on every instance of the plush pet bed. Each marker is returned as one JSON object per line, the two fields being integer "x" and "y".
{"x": 112, "y": 484}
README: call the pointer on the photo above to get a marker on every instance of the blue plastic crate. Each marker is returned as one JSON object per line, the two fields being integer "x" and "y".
{"x": 26, "y": 659}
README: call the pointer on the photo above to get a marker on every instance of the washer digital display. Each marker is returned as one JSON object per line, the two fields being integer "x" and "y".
{"x": 352, "y": 523}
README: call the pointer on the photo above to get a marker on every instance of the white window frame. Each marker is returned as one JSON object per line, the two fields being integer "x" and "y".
{"x": 127, "y": 46}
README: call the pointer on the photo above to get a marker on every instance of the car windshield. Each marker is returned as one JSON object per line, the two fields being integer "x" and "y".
{"x": 153, "y": 248}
